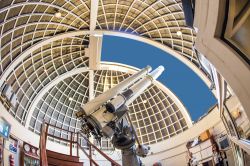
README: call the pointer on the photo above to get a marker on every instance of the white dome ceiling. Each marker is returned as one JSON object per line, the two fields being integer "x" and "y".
{"x": 39, "y": 49}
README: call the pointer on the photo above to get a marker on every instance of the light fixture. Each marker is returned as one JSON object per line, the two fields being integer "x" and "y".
{"x": 179, "y": 33}
{"x": 235, "y": 113}
{"x": 58, "y": 14}
{"x": 70, "y": 99}
{"x": 145, "y": 101}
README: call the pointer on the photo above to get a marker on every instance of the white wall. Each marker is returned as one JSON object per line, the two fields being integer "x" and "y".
{"x": 173, "y": 151}
{"x": 227, "y": 62}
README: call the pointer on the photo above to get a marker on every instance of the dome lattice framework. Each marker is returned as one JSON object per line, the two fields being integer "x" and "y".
{"x": 154, "y": 114}
{"x": 44, "y": 56}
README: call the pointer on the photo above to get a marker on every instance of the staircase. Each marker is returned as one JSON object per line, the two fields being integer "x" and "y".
{"x": 55, "y": 159}
{"x": 51, "y": 158}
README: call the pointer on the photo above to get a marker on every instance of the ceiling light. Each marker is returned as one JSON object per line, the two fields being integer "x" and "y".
{"x": 235, "y": 113}
{"x": 70, "y": 99}
{"x": 179, "y": 33}
{"x": 58, "y": 14}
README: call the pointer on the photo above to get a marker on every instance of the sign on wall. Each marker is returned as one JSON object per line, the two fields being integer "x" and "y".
{"x": 4, "y": 128}
{"x": 11, "y": 145}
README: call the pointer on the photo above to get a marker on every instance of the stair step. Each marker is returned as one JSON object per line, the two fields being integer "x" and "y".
{"x": 59, "y": 162}
{"x": 61, "y": 156}
{"x": 51, "y": 165}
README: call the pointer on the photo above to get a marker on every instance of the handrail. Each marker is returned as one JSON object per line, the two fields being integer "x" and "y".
{"x": 72, "y": 142}
{"x": 63, "y": 139}
{"x": 91, "y": 160}
{"x": 42, "y": 145}
{"x": 101, "y": 152}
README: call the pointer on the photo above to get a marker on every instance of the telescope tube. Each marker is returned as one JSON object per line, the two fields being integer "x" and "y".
{"x": 94, "y": 104}
{"x": 144, "y": 83}
{"x": 128, "y": 96}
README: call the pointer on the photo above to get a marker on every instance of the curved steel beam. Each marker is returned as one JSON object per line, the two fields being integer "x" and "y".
{"x": 93, "y": 14}
{"x": 44, "y": 4}
{"x": 47, "y": 88}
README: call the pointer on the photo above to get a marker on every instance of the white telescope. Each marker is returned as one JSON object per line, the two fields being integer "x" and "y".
{"x": 99, "y": 121}
{"x": 128, "y": 96}
{"x": 97, "y": 102}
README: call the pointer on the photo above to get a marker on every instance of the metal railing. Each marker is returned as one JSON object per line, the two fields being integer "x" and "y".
{"x": 73, "y": 141}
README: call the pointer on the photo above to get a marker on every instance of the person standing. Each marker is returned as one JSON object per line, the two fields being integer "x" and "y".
{"x": 192, "y": 160}
{"x": 217, "y": 158}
